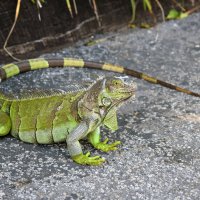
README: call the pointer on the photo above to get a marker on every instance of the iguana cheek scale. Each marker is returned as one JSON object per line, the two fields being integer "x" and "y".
{"x": 48, "y": 118}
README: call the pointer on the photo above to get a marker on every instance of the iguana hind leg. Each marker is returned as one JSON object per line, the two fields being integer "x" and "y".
{"x": 94, "y": 138}
{"x": 5, "y": 123}
{"x": 75, "y": 150}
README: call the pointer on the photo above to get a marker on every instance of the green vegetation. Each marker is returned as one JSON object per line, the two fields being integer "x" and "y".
{"x": 177, "y": 11}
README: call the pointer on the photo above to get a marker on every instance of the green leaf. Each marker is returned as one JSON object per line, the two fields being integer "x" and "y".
{"x": 145, "y": 25}
{"x": 183, "y": 15}
{"x": 132, "y": 26}
{"x": 133, "y": 6}
{"x": 173, "y": 14}
{"x": 147, "y": 5}
{"x": 69, "y": 7}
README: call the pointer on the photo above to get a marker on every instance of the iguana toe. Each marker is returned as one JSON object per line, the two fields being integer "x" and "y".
{"x": 86, "y": 160}
{"x": 107, "y": 147}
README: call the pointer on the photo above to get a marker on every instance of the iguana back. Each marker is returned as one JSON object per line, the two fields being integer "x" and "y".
{"x": 42, "y": 118}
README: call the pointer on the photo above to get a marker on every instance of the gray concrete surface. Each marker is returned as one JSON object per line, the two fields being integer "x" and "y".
{"x": 160, "y": 131}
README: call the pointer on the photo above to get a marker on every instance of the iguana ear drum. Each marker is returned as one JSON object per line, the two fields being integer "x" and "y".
{"x": 106, "y": 101}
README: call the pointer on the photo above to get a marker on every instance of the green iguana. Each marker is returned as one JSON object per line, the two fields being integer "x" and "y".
{"x": 53, "y": 117}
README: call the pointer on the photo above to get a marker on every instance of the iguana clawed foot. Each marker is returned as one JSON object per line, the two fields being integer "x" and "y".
{"x": 107, "y": 147}
{"x": 86, "y": 160}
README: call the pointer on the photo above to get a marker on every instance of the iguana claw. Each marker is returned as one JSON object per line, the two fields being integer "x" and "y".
{"x": 86, "y": 160}
{"x": 107, "y": 147}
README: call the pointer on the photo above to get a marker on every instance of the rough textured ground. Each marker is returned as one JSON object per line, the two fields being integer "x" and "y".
{"x": 160, "y": 132}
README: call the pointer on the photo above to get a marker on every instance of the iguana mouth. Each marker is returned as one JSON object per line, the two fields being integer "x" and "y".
{"x": 121, "y": 101}
{"x": 131, "y": 89}
{"x": 128, "y": 93}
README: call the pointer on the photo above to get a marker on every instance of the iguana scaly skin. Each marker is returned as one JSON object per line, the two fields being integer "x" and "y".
{"x": 56, "y": 117}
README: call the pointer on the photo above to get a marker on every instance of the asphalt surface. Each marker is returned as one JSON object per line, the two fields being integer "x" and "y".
{"x": 160, "y": 131}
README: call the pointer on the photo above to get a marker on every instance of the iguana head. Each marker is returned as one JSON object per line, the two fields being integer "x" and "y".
{"x": 104, "y": 97}
{"x": 114, "y": 92}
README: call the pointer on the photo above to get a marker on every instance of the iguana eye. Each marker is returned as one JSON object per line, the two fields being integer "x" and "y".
{"x": 106, "y": 101}
{"x": 115, "y": 82}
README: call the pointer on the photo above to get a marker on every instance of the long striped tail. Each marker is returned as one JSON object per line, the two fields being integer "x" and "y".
{"x": 13, "y": 69}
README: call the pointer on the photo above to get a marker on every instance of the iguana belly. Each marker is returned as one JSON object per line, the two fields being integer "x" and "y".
{"x": 43, "y": 121}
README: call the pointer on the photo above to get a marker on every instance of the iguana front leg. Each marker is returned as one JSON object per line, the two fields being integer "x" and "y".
{"x": 5, "y": 123}
{"x": 94, "y": 138}
{"x": 74, "y": 146}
